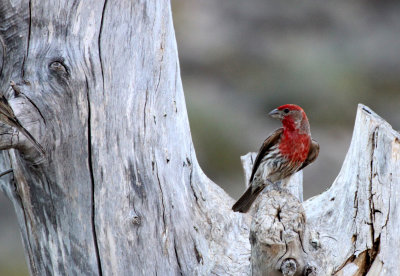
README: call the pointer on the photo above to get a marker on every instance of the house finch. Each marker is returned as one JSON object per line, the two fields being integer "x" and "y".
{"x": 286, "y": 151}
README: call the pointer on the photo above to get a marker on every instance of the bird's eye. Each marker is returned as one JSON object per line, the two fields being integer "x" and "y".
{"x": 286, "y": 110}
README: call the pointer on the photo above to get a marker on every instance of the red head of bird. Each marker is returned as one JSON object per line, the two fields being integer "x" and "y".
{"x": 293, "y": 118}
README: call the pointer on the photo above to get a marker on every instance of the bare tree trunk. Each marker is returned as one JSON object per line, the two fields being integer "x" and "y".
{"x": 120, "y": 191}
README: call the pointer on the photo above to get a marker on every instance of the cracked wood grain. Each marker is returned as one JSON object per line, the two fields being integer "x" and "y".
{"x": 362, "y": 241}
{"x": 114, "y": 197}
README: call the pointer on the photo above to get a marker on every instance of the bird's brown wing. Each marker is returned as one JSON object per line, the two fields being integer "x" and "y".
{"x": 312, "y": 154}
{"x": 266, "y": 146}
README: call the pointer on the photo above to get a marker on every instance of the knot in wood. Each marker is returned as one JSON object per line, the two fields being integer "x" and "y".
{"x": 309, "y": 270}
{"x": 289, "y": 267}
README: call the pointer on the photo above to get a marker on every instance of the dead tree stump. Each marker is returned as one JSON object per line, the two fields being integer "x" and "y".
{"x": 120, "y": 191}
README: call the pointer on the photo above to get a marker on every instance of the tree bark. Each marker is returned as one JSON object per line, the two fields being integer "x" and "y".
{"x": 358, "y": 224}
{"x": 120, "y": 191}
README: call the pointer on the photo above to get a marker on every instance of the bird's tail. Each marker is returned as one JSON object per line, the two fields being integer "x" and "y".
{"x": 246, "y": 200}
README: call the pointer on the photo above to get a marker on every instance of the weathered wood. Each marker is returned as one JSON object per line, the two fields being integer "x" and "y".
{"x": 121, "y": 192}
{"x": 277, "y": 234}
{"x": 356, "y": 219}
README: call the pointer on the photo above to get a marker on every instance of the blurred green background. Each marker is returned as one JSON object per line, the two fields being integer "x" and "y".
{"x": 241, "y": 59}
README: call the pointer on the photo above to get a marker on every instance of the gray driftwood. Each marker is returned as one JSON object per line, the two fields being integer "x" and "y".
{"x": 120, "y": 191}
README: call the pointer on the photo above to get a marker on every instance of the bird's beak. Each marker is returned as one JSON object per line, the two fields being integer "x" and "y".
{"x": 275, "y": 114}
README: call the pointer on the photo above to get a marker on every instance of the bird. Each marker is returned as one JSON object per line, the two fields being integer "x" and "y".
{"x": 8, "y": 117}
{"x": 286, "y": 151}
